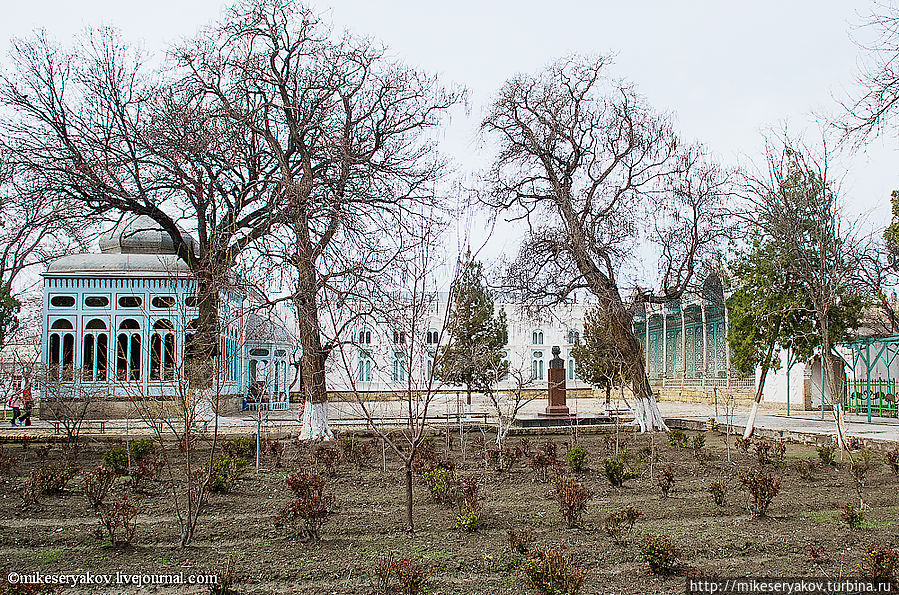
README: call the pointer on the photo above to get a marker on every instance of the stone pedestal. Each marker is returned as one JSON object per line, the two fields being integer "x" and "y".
{"x": 557, "y": 404}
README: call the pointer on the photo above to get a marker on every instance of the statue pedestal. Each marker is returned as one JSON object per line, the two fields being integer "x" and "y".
{"x": 557, "y": 404}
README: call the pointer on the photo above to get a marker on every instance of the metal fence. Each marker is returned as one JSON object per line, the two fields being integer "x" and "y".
{"x": 880, "y": 393}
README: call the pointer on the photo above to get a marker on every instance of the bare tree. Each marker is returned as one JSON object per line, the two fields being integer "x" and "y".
{"x": 597, "y": 176}
{"x": 508, "y": 403}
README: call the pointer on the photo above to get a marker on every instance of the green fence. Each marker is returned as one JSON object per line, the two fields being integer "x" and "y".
{"x": 883, "y": 397}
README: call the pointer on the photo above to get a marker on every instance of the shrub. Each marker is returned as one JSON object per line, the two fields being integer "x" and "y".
{"x": 48, "y": 481}
{"x": 355, "y": 451}
{"x": 520, "y": 542}
{"x": 718, "y": 489}
{"x": 743, "y": 444}
{"x": 326, "y": 459}
{"x": 616, "y": 469}
{"x": 778, "y": 453}
{"x": 622, "y": 521}
{"x": 551, "y": 571}
{"x": 660, "y": 554}
{"x": 762, "y": 451}
{"x": 678, "y": 438}
{"x": 541, "y": 463}
{"x": 860, "y": 465}
{"x": 273, "y": 450}
{"x": 310, "y": 510}
{"x": 698, "y": 443}
{"x": 116, "y": 459}
{"x": 140, "y": 449}
{"x": 118, "y": 521}
{"x": 825, "y": 453}
{"x": 853, "y": 515}
{"x": 224, "y": 473}
{"x": 242, "y": 447}
{"x": 466, "y": 495}
{"x": 426, "y": 457}
{"x": 892, "y": 459}
{"x": 880, "y": 562}
{"x": 403, "y": 576}
{"x": 573, "y": 498}
{"x": 146, "y": 469}
{"x": 7, "y": 462}
{"x": 550, "y": 449}
{"x": 525, "y": 444}
{"x": 762, "y": 487}
{"x": 577, "y": 459}
{"x": 441, "y": 482}
{"x": 509, "y": 457}
{"x": 665, "y": 480}
{"x": 96, "y": 485}
{"x": 805, "y": 468}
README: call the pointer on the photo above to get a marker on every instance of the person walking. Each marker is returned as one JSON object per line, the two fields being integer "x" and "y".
{"x": 27, "y": 405}
{"x": 14, "y": 402}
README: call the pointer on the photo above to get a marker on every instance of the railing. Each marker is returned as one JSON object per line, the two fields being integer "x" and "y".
{"x": 882, "y": 397}
{"x": 266, "y": 406}
{"x": 704, "y": 382}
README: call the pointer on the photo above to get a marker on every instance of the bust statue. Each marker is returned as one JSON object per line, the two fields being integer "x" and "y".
{"x": 556, "y": 362}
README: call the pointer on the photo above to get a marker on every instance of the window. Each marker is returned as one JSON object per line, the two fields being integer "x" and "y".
{"x": 280, "y": 353}
{"x": 162, "y": 351}
{"x": 537, "y": 365}
{"x": 130, "y": 301}
{"x": 429, "y": 366}
{"x": 259, "y": 352}
{"x": 96, "y": 301}
{"x": 364, "y": 371}
{"x": 365, "y": 337}
{"x": 399, "y": 367}
{"x": 61, "y": 350}
{"x": 432, "y": 337}
{"x": 128, "y": 351}
{"x": 537, "y": 337}
{"x": 190, "y": 301}
{"x": 571, "y": 374}
{"x": 162, "y": 302}
{"x": 94, "y": 350}
{"x": 399, "y": 337}
{"x": 62, "y": 301}
{"x": 574, "y": 337}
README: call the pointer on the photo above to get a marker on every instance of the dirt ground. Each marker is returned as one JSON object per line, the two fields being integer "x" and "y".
{"x": 803, "y": 534}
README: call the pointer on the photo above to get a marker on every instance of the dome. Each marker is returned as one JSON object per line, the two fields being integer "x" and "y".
{"x": 139, "y": 234}
{"x": 118, "y": 265}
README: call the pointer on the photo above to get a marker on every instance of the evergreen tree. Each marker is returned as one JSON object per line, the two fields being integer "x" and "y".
{"x": 597, "y": 359}
{"x": 9, "y": 309}
{"x": 474, "y": 355}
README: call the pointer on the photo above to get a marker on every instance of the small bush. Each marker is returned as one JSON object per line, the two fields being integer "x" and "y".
{"x": 550, "y": 449}
{"x": 541, "y": 464}
{"x": 146, "y": 469}
{"x": 520, "y": 542}
{"x": 805, "y": 468}
{"x": 622, "y": 521}
{"x": 466, "y": 495}
{"x": 825, "y": 454}
{"x": 743, "y": 444}
{"x": 698, "y": 442}
{"x": 678, "y": 439}
{"x": 118, "y": 521}
{"x": 853, "y": 515}
{"x": 551, "y": 571}
{"x": 116, "y": 459}
{"x": 762, "y": 451}
{"x": 312, "y": 507}
{"x": 224, "y": 473}
{"x": 47, "y": 481}
{"x": 468, "y": 519}
{"x": 509, "y": 456}
{"x": 140, "y": 449}
{"x": 355, "y": 451}
{"x": 96, "y": 485}
{"x": 400, "y": 576}
{"x": 718, "y": 490}
{"x": 860, "y": 465}
{"x": 577, "y": 459}
{"x": 326, "y": 459}
{"x": 7, "y": 462}
{"x": 273, "y": 451}
{"x": 880, "y": 562}
{"x": 660, "y": 554}
{"x": 441, "y": 482}
{"x": 573, "y": 499}
{"x": 616, "y": 469}
{"x": 892, "y": 459}
{"x": 778, "y": 453}
{"x": 665, "y": 480}
{"x": 525, "y": 444}
{"x": 242, "y": 447}
{"x": 762, "y": 487}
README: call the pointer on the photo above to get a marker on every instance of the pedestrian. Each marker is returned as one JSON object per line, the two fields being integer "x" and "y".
{"x": 27, "y": 405}
{"x": 14, "y": 402}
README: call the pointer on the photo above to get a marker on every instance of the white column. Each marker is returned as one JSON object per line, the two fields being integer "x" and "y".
{"x": 705, "y": 343}
{"x": 683, "y": 339}
{"x": 664, "y": 344}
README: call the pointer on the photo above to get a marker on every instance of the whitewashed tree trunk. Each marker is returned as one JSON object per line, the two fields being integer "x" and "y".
{"x": 750, "y": 423}
{"x": 315, "y": 422}
{"x": 647, "y": 415}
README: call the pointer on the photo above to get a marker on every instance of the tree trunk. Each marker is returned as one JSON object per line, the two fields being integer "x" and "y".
{"x": 766, "y": 365}
{"x": 201, "y": 351}
{"x": 410, "y": 526}
{"x": 646, "y": 409}
{"x": 312, "y": 361}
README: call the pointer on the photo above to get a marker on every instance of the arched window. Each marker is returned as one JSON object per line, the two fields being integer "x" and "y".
{"x": 429, "y": 366}
{"x": 128, "y": 351}
{"x": 574, "y": 337}
{"x": 537, "y": 337}
{"x": 61, "y": 350}
{"x": 364, "y": 370}
{"x": 94, "y": 349}
{"x": 432, "y": 337}
{"x": 399, "y": 337}
{"x": 537, "y": 365}
{"x": 162, "y": 350}
{"x": 364, "y": 336}
{"x": 399, "y": 367}
{"x": 571, "y": 364}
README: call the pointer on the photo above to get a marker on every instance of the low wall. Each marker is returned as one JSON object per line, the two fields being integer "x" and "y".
{"x": 126, "y": 409}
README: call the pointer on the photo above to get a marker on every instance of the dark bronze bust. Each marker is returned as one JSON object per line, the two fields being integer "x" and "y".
{"x": 556, "y": 362}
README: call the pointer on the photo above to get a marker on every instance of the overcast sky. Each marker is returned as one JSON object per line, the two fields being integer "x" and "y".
{"x": 728, "y": 71}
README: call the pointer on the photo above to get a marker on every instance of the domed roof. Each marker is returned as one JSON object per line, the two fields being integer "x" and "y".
{"x": 139, "y": 234}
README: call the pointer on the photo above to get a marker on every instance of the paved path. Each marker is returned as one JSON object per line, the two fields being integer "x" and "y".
{"x": 801, "y": 424}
